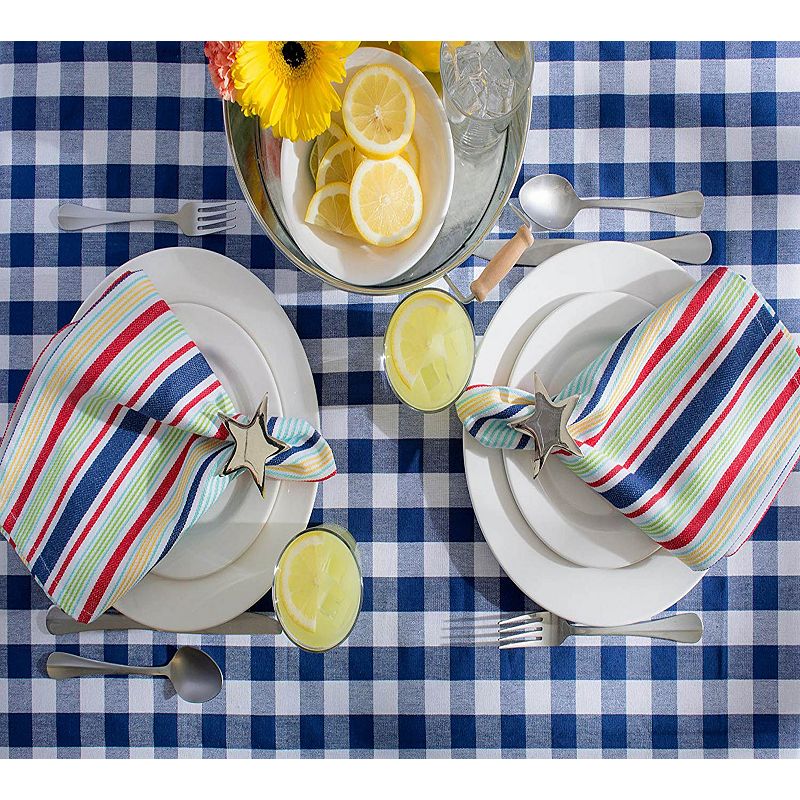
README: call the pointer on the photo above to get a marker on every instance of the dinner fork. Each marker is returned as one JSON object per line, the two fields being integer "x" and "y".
{"x": 544, "y": 629}
{"x": 194, "y": 218}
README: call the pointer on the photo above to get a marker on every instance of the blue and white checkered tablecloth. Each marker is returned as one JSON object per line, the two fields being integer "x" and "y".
{"x": 123, "y": 125}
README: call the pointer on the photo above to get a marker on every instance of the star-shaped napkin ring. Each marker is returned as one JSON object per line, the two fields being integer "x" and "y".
{"x": 253, "y": 446}
{"x": 547, "y": 425}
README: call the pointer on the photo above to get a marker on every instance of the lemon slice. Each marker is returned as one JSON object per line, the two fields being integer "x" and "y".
{"x": 321, "y": 145}
{"x": 339, "y": 163}
{"x": 385, "y": 201}
{"x": 299, "y": 580}
{"x": 411, "y": 154}
{"x": 330, "y": 208}
{"x": 378, "y": 111}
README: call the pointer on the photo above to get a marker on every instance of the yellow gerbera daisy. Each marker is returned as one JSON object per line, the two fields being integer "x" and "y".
{"x": 289, "y": 84}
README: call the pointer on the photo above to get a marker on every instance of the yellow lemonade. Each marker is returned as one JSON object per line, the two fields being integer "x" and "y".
{"x": 429, "y": 349}
{"x": 317, "y": 588}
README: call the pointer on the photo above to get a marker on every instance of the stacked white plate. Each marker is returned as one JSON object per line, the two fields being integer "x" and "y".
{"x": 563, "y": 545}
{"x": 224, "y": 562}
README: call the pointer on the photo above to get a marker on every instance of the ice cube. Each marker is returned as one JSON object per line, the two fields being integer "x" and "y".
{"x": 468, "y": 60}
{"x": 430, "y": 377}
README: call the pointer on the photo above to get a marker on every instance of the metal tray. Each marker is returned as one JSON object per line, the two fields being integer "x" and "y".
{"x": 481, "y": 189}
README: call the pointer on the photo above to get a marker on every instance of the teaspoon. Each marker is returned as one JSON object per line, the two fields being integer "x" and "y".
{"x": 195, "y": 675}
{"x": 551, "y": 202}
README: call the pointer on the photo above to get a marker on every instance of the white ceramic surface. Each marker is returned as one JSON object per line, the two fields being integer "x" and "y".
{"x": 581, "y": 594}
{"x": 206, "y": 288}
{"x": 346, "y": 257}
{"x": 570, "y": 517}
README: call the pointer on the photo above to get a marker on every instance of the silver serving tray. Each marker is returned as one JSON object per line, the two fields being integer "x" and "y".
{"x": 481, "y": 189}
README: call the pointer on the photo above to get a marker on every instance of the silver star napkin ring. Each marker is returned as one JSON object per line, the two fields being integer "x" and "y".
{"x": 253, "y": 446}
{"x": 546, "y": 424}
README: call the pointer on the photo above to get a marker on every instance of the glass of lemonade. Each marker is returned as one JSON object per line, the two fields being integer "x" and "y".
{"x": 317, "y": 587}
{"x": 429, "y": 350}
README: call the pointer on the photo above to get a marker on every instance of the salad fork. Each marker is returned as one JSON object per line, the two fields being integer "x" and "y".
{"x": 544, "y": 629}
{"x": 194, "y": 218}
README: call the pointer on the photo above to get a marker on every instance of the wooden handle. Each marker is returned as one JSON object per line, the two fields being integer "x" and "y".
{"x": 501, "y": 264}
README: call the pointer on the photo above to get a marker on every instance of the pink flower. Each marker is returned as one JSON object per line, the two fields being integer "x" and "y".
{"x": 221, "y": 56}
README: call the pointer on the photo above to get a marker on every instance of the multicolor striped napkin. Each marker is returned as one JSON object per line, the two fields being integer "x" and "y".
{"x": 689, "y": 424}
{"x": 116, "y": 445}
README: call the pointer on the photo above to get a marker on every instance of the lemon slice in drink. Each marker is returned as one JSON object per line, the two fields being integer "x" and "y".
{"x": 339, "y": 163}
{"x": 321, "y": 145}
{"x": 378, "y": 110}
{"x": 330, "y": 208}
{"x": 385, "y": 201}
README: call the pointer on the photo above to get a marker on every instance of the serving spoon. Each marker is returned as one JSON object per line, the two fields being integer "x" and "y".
{"x": 195, "y": 675}
{"x": 551, "y": 202}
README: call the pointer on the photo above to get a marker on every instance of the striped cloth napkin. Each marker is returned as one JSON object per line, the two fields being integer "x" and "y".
{"x": 689, "y": 424}
{"x": 116, "y": 445}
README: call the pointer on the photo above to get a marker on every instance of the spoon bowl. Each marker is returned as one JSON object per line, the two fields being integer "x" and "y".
{"x": 550, "y": 201}
{"x": 196, "y": 677}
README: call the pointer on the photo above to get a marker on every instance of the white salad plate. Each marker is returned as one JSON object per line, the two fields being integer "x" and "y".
{"x": 224, "y": 563}
{"x": 570, "y": 517}
{"x": 583, "y": 594}
{"x": 345, "y": 257}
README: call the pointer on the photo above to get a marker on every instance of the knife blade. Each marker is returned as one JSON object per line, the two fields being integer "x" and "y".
{"x": 692, "y": 248}
{"x": 249, "y": 623}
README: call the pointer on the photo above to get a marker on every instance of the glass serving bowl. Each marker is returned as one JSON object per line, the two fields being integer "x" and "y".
{"x": 481, "y": 188}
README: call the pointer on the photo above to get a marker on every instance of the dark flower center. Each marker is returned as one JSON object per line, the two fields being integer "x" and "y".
{"x": 293, "y": 54}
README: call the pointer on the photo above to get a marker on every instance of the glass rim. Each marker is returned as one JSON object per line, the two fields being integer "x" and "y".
{"x": 474, "y": 350}
{"x": 353, "y": 552}
{"x": 513, "y": 109}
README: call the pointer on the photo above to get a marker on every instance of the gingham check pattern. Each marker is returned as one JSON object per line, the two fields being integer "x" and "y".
{"x": 138, "y": 126}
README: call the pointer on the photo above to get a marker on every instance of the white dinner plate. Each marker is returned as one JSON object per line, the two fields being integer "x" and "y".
{"x": 224, "y": 563}
{"x": 570, "y": 517}
{"x": 583, "y": 594}
{"x": 345, "y": 257}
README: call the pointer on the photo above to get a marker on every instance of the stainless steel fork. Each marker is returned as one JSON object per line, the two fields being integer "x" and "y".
{"x": 544, "y": 629}
{"x": 194, "y": 218}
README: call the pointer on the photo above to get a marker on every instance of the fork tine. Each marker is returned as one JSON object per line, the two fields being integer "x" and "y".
{"x": 532, "y": 617}
{"x": 220, "y": 206}
{"x": 202, "y": 230}
{"x": 521, "y": 635}
{"x": 526, "y": 643}
{"x": 523, "y": 628}
{"x": 215, "y": 216}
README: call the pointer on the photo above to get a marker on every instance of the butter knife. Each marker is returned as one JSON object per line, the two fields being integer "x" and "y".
{"x": 247, "y": 624}
{"x": 693, "y": 248}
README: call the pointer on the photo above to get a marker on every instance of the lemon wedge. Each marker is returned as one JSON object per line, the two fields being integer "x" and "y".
{"x": 339, "y": 163}
{"x": 411, "y": 154}
{"x": 385, "y": 201}
{"x": 378, "y": 111}
{"x": 321, "y": 145}
{"x": 330, "y": 208}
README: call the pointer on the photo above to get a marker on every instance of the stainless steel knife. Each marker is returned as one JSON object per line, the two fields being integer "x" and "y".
{"x": 247, "y": 624}
{"x": 693, "y": 248}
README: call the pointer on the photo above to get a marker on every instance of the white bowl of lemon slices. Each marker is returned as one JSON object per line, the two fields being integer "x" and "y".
{"x": 368, "y": 197}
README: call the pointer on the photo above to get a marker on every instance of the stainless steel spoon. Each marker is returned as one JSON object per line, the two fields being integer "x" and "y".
{"x": 195, "y": 675}
{"x": 551, "y": 202}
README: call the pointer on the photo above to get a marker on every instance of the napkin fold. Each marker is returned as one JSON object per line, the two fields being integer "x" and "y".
{"x": 689, "y": 424}
{"x": 116, "y": 446}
